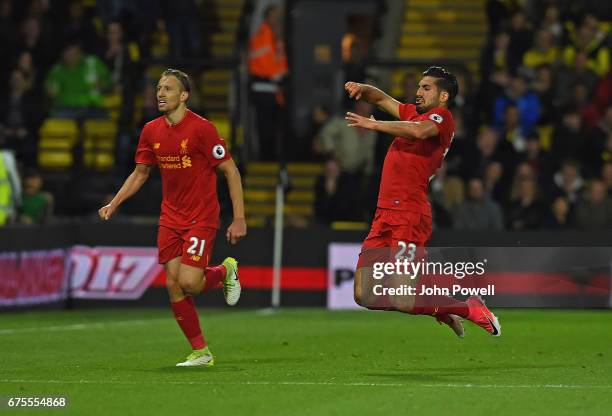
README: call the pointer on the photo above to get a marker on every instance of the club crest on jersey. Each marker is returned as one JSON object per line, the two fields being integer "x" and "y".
{"x": 218, "y": 152}
{"x": 156, "y": 145}
{"x": 436, "y": 117}
{"x": 184, "y": 146}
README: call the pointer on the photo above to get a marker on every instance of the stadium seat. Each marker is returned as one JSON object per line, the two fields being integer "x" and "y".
{"x": 57, "y": 138}
{"x": 99, "y": 144}
{"x": 113, "y": 102}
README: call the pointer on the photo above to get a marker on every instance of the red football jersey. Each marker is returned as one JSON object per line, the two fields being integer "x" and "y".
{"x": 186, "y": 154}
{"x": 410, "y": 163}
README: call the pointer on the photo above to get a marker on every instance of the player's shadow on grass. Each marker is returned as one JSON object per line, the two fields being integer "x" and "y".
{"x": 430, "y": 374}
{"x": 412, "y": 376}
{"x": 217, "y": 368}
{"x": 270, "y": 360}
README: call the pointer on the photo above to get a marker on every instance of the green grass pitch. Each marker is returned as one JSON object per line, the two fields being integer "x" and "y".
{"x": 309, "y": 362}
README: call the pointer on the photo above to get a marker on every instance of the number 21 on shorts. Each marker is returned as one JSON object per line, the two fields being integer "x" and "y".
{"x": 196, "y": 244}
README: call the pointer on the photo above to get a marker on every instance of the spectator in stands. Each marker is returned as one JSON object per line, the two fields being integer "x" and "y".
{"x": 543, "y": 52}
{"x": 525, "y": 211}
{"x": 33, "y": 76}
{"x": 521, "y": 36}
{"x": 543, "y": 85}
{"x": 353, "y": 57}
{"x": 441, "y": 205}
{"x": 121, "y": 59}
{"x": 478, "y": 212}
{"x": 597, "y": 144}
{"x": 538, "y": 159}
{"x": 497, "y": 12}
{"x": 493, "y": 185}
{"x": 488, "y": 148}
{"x": 80, "y": 26}
{"x": 568, "y": 182}
{"x": 569, "y": 75}
{"x": 149, "y": 102}
{"x": 496, "y": 56}
{"x": 560, "y": 215}
{"x": 523, "y": 170}
{"x": 32, "y": 40}
{"x": 551, "y": 22}
{"x": 320, "y": 115}
{"x": 595, "y": 212}
{"x": 453, "y": 160}
{"x": 336, "y": 198}
{"x": 606, "y": 176}
{"x": 21, "y": 116}
{"x": 527, "y": 102}
{"x": 268, "y": 68}
{"x": 36, "y": 204}
{"x": 568, "y": 139}
{"x": 590, "y": 40}
{"x": 353, "y": 148}
{"x": 183, "y": 25}
{"x": 76, "y": 83}
{"x": 603, "y": 92}
{"x": 140, "y": 19}
{"x": 410, "y": 85}
{"x": 466, "y": 111}
{"x": 512, "y": 130}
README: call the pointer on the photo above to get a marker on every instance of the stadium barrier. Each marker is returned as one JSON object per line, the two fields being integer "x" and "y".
{"x": 305, "y": 271}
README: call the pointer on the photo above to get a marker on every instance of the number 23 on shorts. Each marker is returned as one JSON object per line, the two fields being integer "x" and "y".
{"x": 405, "y": 251}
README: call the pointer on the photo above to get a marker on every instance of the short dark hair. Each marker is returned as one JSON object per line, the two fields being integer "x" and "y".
{"x": 445, "y": 81}
{"x": 180, "y": 75}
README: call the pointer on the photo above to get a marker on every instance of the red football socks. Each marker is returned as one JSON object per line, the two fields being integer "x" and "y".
{"x": 214, "y": 276}
{"x": 439, "y": 305}
{"x": 187, "y": 318}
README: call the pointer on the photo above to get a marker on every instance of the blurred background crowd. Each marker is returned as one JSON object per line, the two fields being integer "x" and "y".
{"x": 532, "y": 149}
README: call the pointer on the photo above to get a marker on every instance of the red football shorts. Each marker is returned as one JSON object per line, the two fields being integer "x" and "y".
{"x": 393, "y": 234}
{"x": 194, "y": 246}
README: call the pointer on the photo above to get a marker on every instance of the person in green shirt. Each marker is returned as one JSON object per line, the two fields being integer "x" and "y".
{"x": 76, "y": 84}
{"x": 36, "y": 205}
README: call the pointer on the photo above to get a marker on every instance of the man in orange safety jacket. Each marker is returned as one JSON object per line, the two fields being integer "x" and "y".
{"x": 267, "y": 69}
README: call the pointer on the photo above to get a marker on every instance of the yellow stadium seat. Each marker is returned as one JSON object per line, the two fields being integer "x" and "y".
{"x": 112, "y": 102}
{"x": 57, "y": 138}
{"x": 55, "y": 128}
{"x": 99, "y": 137}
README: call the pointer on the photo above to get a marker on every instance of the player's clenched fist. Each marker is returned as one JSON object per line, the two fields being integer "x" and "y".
{"x": 236, "y": 230}
{"x": 106, "y": 211}
{"x": 354, "y": 89}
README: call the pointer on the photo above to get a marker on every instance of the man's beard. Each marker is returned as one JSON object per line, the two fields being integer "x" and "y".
{"x": 422, "y": 108}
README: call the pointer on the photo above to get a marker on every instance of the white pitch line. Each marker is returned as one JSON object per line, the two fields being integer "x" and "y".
{"x": 313, "y": 383}
{"x": 80, "y": 327}
{"x": 97, "y": 325}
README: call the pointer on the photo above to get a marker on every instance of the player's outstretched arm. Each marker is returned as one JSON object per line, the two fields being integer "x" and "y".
{"x": 374, "y": 96}
{"x": 237, "y": 228}
{"x": 416, "y": 130}
{"x": 131, "y": 185}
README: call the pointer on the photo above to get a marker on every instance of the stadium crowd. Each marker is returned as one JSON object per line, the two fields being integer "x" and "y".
{"x": 532, "y": 149}
{"x": 533, "y": 144}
